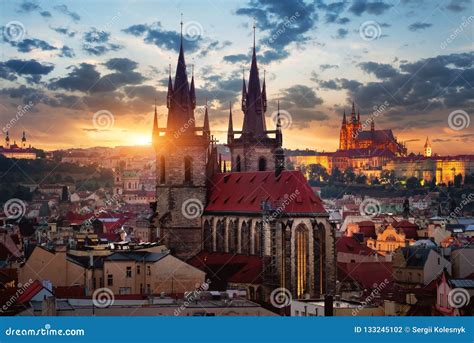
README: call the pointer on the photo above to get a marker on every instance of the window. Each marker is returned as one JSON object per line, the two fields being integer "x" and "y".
{"x": 129, "y": 272}
{"x": 262, "y": 164}
{"x": 148, "y": 270}
{"x": 187, "y": 169}
{"x": 110, "y": 280}
{"x": 138, "y": 269}
{"x": 162, "y": 170}
{"x": 125, "y": 290}
{"x": 237, "y": 164}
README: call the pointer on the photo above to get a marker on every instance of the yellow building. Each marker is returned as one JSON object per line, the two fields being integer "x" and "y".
{"x": 388, "y": 241}
{"x": 444, "y": 168}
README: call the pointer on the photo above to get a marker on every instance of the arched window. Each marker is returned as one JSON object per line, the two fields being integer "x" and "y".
{"x": 188, "y": 169}
{"x": 207, "y": 236}
{"x": 237, "y": 164}
{"x": 245, "y": 239}
{"x": 262, "y": 164}
{"x": 162, "y": 170}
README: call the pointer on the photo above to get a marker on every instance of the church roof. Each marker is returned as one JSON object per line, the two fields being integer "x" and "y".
{"x": 379, "y": 136}
{"x": 244, "y": 192}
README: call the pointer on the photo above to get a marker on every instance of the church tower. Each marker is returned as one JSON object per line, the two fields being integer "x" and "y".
{"x": 427, "y": 151}
{"x": 185, "y": 160}
{"x": 23, "y": 141}
{"x": 254, "y": 150}
{"x": 7, "y": 141}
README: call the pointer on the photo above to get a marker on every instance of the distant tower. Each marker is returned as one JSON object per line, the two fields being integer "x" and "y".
{"x": 7, "y": 141}
{"x": 427, "y": 152}
{"x": 254, "y": 150}
{"x": 23, "y": 141}
{"x": 343, "y": 133}
{"x": 185, "y": 161}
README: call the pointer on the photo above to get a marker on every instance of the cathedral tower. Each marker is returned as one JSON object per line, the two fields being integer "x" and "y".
{"x": 254, "y": 150}
{"x": 427, "y": 151}
{"x": 185, "y": 160}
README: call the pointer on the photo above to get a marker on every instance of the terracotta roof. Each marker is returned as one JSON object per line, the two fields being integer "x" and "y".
{"x": 244, "y": 192}
{"x": 352, "y": 246}
{"x": 32, "y": 289}
{"x": 408, "y": 228}
{"x": 369, "y": 273}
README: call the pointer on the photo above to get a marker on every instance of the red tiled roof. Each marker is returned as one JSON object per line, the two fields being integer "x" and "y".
{"x": 368, "y": 273}
{"x": 32, "y": 289}
{"x": 352, "y": 246}
{"x": 245, "y": 191}
{"x": 408, "y": 228}
{"x": 239, "y": 268}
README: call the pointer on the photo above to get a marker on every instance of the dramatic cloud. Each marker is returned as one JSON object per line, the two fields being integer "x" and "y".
{"x": 301, "y": 96}
{"x": 285, "y": 22}
{"x": 380, "y": 70}
{"x": 121, "y": 64}
{"x": 65, "y": 10}
{"x": 419, "y": 26}
{"x": 96, "y": 42}
{"x": 67, "y": 52}
{"x": 375, "y": 7}
{"x": 27, "y": 45}
{"x": 333, "y": 12}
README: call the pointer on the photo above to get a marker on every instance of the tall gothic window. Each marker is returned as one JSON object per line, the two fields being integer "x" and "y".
{"x": 301, "y": 241}
{"x": 237, "y": 164}
{"x": 262, "y": 164}
{"x": 188, "y": 169}
{"x": 162, "y": 170}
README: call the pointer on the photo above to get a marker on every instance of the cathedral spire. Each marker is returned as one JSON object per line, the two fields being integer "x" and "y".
{"x": 192, "y": 92}
{"x": 230, "y": 129}
{"x": 344, "y": 121}
{"x": 279, "y": 135}
{"x": 244, "y": 92}
{"x": 155, "y": 132}
{"x": 358, "y": 116}
{"x": 181, "y": 111}
{"x": 206, "y": 128}
{"x": 264, "y": 93}
{"x": 254, "y": 118}
{"x": 169, "y": 96}
{"x": 353, "y": 113}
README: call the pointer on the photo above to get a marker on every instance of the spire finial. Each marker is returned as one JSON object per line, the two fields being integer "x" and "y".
{"x": 181, "y": 25}
{"x": 169, "y": 69}
{"x": 254, "y": 27}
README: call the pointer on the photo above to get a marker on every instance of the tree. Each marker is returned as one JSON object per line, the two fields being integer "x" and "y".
{"x": 361, "y": 179}
{"x": 336, "y": 176}
{"x": 412, "y": 183}
{"x": 317, "y": 172}
{"x": 349, "y": 175}
{"x": 458, "y": 181}
{"x": 375, "y": 181}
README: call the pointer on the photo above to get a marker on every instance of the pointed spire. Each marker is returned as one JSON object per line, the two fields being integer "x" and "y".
{"x": 244, "y": 92}
{"x": 264, "y": 93}
{"x": 8, "y": 137}
{"x": 372, "y": 125}
{"x": 353, "y": 114}
{"x": 192, "y": 92}
{"x": 230, "y": 129}
{"x": 23, "y": 139}
{"x": 169, "y": 96}
{"x": 427, "y": 143}
{"x": 254, "y": 27}
{"x": 344, "y": 121}
{"x": 279, "y": 134}
{"x": 206, "y": 127}
{"x": 358, "y": 116}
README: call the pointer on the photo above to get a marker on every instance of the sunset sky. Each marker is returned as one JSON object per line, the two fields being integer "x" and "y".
{"x": 72, "y": 59}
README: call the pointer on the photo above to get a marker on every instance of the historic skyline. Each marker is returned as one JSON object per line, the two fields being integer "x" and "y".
{"x": 318, "y": 57}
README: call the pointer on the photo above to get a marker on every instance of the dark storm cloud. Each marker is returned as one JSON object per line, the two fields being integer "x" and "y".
{"x": 67, "y": 52}
{"x": 360, "y": 7}
{"x": 416, "y": 88}
{"x": 27, "y": 45}
{"x": 458, "y": 5}
{"x": 380, "y": 70}
{"x": 301, "y": 96}
{"x": 121, "y": 64}
{"x": 238, "y": 58}
{"x": 419, "y": 26}
{"x": 64, "y": 30}
{"x": 164, "y": 39}
{"x": 284, "y": 22}
{"x": 31, "y": 69}
{"x": 85, "y": 78}
{"x": 96, "y": 42}
{"x": 333, "y": 11}
{"x": 65, "y": 10}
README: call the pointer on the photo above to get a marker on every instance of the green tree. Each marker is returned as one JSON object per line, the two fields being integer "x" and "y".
{"x": 318, "y": 173}
{"x": 412, "y": 183}
{"x": 361, "y": 179}
{"x": 458, "y": 181}
{"x": 349, "y": 175}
